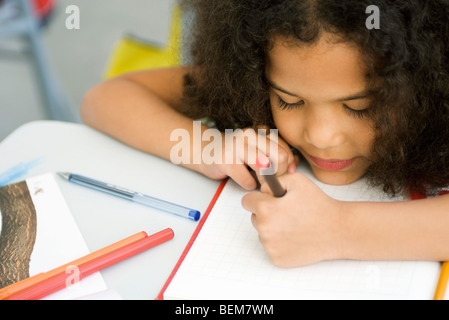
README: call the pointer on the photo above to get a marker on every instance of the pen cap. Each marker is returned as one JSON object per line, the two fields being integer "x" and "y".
{"x": 262, "y": 162}
{"x": 264, "y": 165}
{"x": 194, "y": 215}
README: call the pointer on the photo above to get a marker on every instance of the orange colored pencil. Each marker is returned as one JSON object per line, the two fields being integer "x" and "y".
{"x": 442, "y": 283}
{"x": 32, "y": 281}
{"x": 59, "y": 281}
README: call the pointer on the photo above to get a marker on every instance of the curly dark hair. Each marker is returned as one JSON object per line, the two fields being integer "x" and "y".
{"x": 408, "y": 55}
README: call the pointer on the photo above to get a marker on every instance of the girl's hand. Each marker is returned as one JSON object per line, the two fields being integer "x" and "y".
{"x": 240, "y": 151}
{"x": 301, "y": 228}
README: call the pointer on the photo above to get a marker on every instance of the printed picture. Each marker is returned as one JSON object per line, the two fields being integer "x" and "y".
{"x": 18, "y": 233}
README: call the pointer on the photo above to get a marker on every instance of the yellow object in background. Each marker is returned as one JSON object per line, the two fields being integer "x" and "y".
{"x": 132, "y": 53}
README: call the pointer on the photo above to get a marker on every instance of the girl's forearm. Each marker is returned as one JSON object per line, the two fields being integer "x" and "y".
{"x": 136, "y": 116}
{"x": 132, "y": 114}
{"x": 411, "y": 230}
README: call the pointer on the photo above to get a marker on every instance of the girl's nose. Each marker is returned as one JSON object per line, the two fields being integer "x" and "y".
{"x": 323, "y": 128}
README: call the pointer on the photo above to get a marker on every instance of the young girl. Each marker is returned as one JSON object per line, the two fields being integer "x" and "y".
{"x": 354, "y": 101}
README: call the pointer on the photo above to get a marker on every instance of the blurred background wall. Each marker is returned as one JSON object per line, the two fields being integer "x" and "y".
{"x": 78, "y": 58}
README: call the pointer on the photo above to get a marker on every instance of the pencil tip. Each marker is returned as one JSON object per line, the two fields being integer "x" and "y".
{"x": 64, "y": 175}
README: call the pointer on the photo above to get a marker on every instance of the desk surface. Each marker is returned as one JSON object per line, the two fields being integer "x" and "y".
{"x": 103, "y": 219}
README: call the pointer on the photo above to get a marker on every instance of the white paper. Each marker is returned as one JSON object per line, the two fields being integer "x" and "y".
{"x": 227, "y": 261}
{"x": 58, "y": 239}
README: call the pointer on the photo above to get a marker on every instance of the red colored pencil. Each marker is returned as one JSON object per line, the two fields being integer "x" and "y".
{"x": 61, "y": 281}
{"x": 32, "y": 281}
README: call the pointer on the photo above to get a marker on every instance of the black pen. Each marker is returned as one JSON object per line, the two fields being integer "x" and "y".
{"x": 266, "y": 170}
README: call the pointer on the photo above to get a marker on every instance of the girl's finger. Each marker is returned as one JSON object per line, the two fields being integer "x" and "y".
{"x": 242, "y": 176}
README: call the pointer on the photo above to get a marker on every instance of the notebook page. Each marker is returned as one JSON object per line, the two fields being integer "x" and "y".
{"x": 227, "y": 261}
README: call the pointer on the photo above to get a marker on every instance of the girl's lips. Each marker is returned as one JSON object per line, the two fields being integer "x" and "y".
{"x": 332, "y": 165}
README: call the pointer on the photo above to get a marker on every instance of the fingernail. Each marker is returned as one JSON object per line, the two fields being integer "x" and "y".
{"x": 291, "y": 168}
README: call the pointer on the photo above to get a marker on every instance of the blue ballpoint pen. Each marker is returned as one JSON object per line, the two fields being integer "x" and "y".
{"x": 132, "y": 196}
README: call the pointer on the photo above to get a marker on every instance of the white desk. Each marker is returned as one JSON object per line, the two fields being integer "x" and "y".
{"x": 104, "y": 219}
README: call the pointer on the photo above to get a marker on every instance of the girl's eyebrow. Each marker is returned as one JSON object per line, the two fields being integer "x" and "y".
{"x": 361, "y": 95}
{"x": 280, "y": 89}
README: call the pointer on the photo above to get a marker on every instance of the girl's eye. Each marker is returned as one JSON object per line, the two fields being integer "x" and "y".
{"x": 356, "y": 113}
{"x": 353, "y": 112}
{"x": 289, "y": 106}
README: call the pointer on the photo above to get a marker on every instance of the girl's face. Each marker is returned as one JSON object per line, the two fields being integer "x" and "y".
{"x": 319, "y": 101}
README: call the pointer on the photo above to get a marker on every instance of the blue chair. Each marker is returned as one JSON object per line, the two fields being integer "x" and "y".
{"x": 26, "y": 26}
